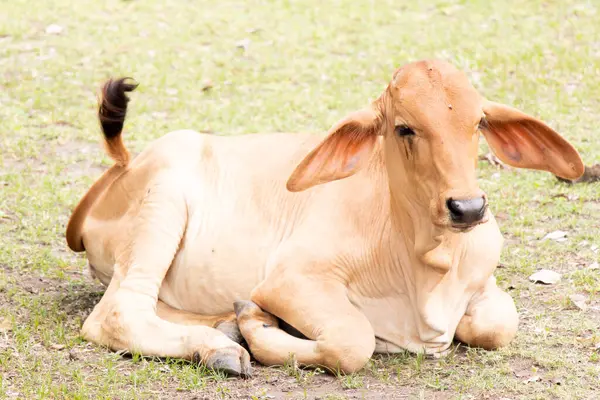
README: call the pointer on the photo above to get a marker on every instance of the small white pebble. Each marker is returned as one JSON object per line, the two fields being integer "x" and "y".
{"x": 54, "y": 29}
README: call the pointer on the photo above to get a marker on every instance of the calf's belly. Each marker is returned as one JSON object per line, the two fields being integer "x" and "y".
{"x": 207, "y": 284}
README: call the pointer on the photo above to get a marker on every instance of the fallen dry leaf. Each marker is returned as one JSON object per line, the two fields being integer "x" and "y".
{"x": 545, "y": 276}
{"x": 206, "y": 85}
{"x": 578, "y": 301}
{"x": 524, "y": 373}
{"x": 5, "y": 325}
{"x": 243, "y": 44}
{"x": 501, "y": 215}
{"x": 559, "y": 236}
{"x": 557, "y": 381}
{"x": 585, "y": 340}
{"x": 570, "y": 197}
{"x": 493, "y": 160}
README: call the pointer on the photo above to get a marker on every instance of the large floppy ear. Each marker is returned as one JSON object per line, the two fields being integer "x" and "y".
{"x": 526, "y": 142}
{"x": 346, "y": 149}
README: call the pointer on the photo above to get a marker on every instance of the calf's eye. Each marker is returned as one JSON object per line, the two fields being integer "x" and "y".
{"x": 403, "y": 130}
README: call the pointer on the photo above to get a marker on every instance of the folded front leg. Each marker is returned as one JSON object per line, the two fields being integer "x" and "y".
{"x": 491, "y": 319}
{"x": 340, "y": 338}
{"x": 225, "y": 323}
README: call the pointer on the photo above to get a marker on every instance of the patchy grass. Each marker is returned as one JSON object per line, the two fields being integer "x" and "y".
{"x": 247, "y": 66}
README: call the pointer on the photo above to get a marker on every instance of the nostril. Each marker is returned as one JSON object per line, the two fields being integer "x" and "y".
{"x": 455, "y": 207}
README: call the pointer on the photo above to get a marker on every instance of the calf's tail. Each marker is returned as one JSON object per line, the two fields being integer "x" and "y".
{"x": 112, "y": 110}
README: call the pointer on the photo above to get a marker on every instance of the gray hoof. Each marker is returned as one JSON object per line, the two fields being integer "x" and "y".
{"x": 231, "y": 330}
{"x": 229, "y": 361}
{"x": 241, "y": 306}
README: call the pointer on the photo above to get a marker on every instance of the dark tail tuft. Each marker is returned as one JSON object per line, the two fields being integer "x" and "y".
{"x": 112, "y": 111}
{"x": 113, "y": 106}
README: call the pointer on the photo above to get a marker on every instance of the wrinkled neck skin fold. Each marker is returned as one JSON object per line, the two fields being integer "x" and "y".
{"x": 441, "y": 272}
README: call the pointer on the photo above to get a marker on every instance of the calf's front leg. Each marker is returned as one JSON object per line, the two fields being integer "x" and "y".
{"x": 225, "y": 323}
{"x": 491, "y": 319}
{"x": 340, "y": 338}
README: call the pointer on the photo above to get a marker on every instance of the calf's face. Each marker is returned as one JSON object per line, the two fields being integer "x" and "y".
{"x": 430, "y": 118}
{"x": 431, "y": 149}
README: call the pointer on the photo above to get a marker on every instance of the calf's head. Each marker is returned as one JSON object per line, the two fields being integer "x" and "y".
{"x": 427, "y": 124}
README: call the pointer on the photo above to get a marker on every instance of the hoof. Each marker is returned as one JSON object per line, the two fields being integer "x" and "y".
{"x": 244, "y": 306}
{"x": 249, "y": 315}
{"x": 233, "y": 361}
{"x": 231, "y": 330}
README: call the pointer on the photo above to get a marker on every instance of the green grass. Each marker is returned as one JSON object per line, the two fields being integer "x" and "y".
{"x": 305, "y": 65}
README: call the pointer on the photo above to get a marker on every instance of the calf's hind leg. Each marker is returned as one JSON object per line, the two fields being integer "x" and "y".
{"x": 491, "y": 319}
{"x": 126, "y": 317}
